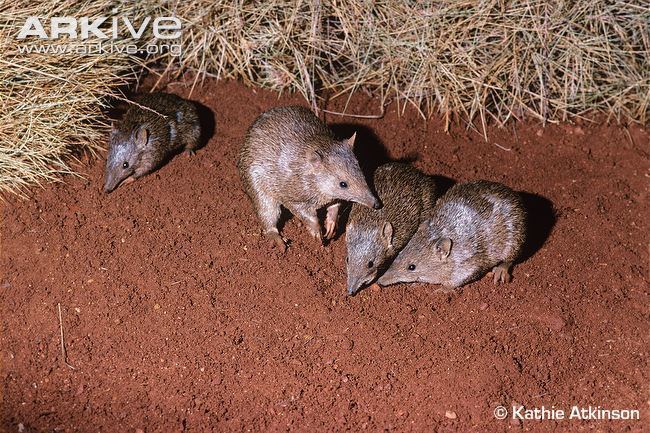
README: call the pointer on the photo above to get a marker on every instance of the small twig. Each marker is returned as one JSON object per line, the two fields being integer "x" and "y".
{"x": 507, "y": 149}
{"x": 360, "y": 116}
{"x": 63, "y": 351}
{"x": 629, "y": 136}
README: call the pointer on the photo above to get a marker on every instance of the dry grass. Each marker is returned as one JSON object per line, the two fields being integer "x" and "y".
{"x": 51, "y": 103}
{"x": 475, "y": 61}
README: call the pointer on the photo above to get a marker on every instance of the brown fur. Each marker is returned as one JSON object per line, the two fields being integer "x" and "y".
{"x": 475, "y": 227}
{"x": 146, "y": 137}
{"x": 374, "y": 237}
{"x": 291, "y": 158}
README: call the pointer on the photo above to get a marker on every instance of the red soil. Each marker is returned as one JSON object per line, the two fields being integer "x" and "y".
{"x": 179, "y": 316}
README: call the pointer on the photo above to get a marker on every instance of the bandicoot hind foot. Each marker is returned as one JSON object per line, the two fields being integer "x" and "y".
{"x": 277, "y": 240}
{"x": 331, "y": 219}
{"x": 330, "y": 229}
{"x": 501, "y": 274}
{"x": 314, "y": 229}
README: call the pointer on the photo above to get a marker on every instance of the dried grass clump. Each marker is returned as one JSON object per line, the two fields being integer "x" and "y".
{"x": 51, "y": 103}
{"x": 501, "y": 59}
{"x": 477, "y": 59}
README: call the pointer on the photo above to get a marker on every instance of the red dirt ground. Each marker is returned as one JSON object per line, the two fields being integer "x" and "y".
{"x": 178, "y": 316}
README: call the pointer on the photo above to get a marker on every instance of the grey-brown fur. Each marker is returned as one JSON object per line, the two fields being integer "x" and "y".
{"x": 374, "y": 237}
{"x": 145, "y": 138}
{"x": 291, "y": 158}
{"x": 476, "y": 227}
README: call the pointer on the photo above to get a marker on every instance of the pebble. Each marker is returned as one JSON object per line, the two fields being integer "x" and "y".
{"x": 450, "y": 414}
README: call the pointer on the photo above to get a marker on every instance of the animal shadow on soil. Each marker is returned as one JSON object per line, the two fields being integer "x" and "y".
{"x": 207, "y": 122}
{"x": 541, "y": 218}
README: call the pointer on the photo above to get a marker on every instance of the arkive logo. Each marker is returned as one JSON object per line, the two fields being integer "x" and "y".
{"x": 100, "y": 35}
{"x": 85, "y": 27}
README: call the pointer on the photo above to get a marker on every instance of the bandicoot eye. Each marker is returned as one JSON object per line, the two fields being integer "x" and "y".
{"x": 343, "y": 184}
{"x": 411, "y": 267}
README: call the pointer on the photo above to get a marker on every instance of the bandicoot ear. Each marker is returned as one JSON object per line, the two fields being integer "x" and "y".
{"x": 113, "y": 132}
{"x": 387, "y": 234}
{"x": 315, "y": 158}
{"x": 350, "y": 141}
{"x": 141, "y": 136}
{"x": 442, "y": 248}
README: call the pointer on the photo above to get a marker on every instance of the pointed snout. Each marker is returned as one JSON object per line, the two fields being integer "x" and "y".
{"x": 353, "y": 286}
{"x": 357, "y": 282}
{"x": 109, "y": 185}
{"x": 371, "y": 201}
{"x": 111, "y": 182}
